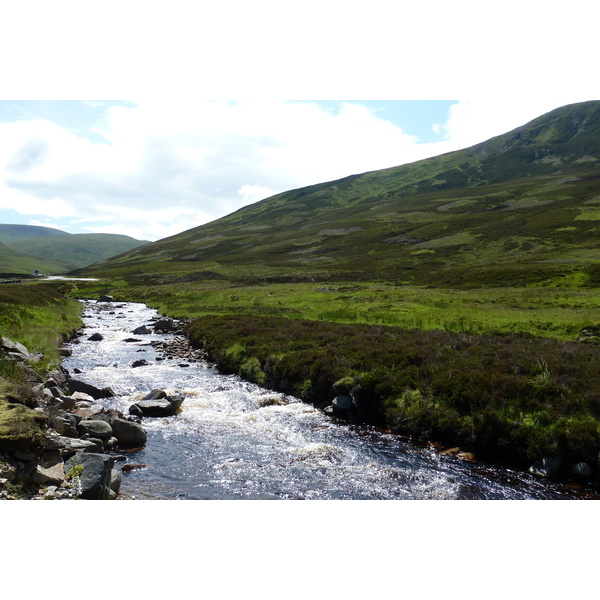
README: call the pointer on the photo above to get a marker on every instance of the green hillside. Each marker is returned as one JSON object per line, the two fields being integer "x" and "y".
{"x": 77, "y": 250}
{"x": 519, "y": 209}
{"x": 27, "y": 248}
{"x": 13, "y": 233}
{"x": 13, "y": 262}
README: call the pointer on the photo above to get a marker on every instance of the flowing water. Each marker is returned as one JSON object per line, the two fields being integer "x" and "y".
{"x": 235, "y": 440}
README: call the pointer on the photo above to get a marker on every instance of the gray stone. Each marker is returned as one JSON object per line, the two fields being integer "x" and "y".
{"x": 155, "y": 394}
{"x": 128, "y": 433}
{"x": 10, "y": 347}
{"x": 79, "y": 386}
{"x": 96, "y": 476}
{"x": 67, "y": 445}
{"x": 50, "y": 469}
{"x": 139, "y": 363}
{"x": 164, "y": 325}
{"x": 546, "y": 467}
{"x": 115, "y": 481}
{"x": 159, "y": 407}
{"x": 96, "y": 337}
{"x": 342, "y": 406}
{"x": 143, "y": 330}
{"x": 95, "y": 428}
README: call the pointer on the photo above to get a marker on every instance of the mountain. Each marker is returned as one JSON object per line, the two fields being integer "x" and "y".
{"x": 520, "y": 208}
{"x": 13, "y": 262}
{"x": 13, "y": 233}
{"x": 26, "y": 248}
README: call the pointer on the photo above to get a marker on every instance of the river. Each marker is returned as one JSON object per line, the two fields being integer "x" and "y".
{"x": 236, "y": 440}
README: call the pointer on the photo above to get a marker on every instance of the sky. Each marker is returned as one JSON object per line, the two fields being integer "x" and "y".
{"x": 147, "y": 119}
{"x": 152, "y": 168}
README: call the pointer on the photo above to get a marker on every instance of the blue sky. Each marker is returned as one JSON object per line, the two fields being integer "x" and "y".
{"x": 155, "y": 167}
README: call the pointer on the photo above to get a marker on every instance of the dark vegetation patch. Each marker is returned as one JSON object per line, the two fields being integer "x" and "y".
{"x": 509, "y": 397}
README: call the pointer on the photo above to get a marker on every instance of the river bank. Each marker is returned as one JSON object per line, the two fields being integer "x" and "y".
{"x": 511, "y": 399}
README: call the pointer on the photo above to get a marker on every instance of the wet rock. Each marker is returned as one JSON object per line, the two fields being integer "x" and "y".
{"x": 79, "y": 386}
{"x": 157, "y": 407}
{"x": 155, "y": 395}
{"x": 95, "y": 479}
{"x": 139, "y": 363}
{"x": 342, "y": 406}
{"x": 128, "y": 433}
{"x": 128, "y": 467}
{"x": 581, "y": 470}
{"x": 164, "y": 325}
{"x": 143, "y": 330}
{"x": 105, "y": 298}
{"x": 61, "y": 421}
{"x": 96, "y": 337}
{"x": 546, "y": 467}
{"x": 115, "y": 483}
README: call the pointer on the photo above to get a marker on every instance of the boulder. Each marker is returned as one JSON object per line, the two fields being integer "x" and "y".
{"x": 13, "y": 349}
{"x": 155, "y": 394}
{"x": 164, "y": 325}
{"x": 159, "y": 407}
{"x": 50, "y": 469}
{"x": 67, "y": 446}
{"x": 95, "y": 428}
{"x": 79, "y": 386}
{"x": 95, "y": 478}
{"x": 61, "y": 421}
{"x": 105, "y": 298}
{"x": 128, "y": 433}
{"x": 139, "y": 363}
{"x": 581, "y": 470}
{"x": 96, "y": 337}
{"x": 547, "y": 467}
{"x": 143, "y": 330}
{"x": 342, "y": 406}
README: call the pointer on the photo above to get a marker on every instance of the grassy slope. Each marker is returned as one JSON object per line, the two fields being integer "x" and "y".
{"x": 15, "y": 261}
{"x": 77, "y": 250}
{"x": 40, "y": 316}
{"x": 11, "y": 233}
{"x": 519, "y": 209}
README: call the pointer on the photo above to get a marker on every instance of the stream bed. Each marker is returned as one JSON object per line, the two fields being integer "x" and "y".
{"x": 236, "y": 440}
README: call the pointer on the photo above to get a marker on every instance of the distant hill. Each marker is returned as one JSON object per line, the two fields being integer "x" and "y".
{"x": 13, "y": 262}
{"x": 26, "y": 248}
{"x": 14, "y": 233}
{"x": 520, "y": 208}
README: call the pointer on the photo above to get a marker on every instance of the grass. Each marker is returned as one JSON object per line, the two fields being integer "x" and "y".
{"x": 554, "y": 312}
{"x": 40, "y": 316}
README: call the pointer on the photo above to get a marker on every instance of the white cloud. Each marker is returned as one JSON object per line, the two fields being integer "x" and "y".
{"x": 167, "y": 166}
